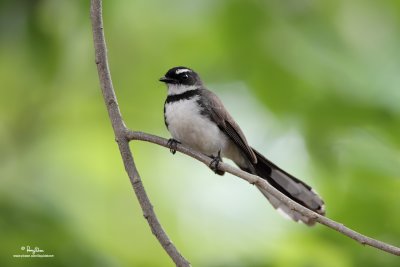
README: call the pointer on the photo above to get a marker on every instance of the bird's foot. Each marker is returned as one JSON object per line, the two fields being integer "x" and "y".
{"x": 215, "y": 163}
{"x": 172, "y": 144}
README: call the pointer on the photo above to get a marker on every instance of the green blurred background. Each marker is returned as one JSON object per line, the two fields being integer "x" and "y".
{"x": 315, "y": 86}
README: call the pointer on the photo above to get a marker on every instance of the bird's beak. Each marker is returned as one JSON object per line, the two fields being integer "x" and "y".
{"x": 166, "y": 80}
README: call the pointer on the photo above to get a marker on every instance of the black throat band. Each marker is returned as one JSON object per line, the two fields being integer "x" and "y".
{"x": 184, "y": 96}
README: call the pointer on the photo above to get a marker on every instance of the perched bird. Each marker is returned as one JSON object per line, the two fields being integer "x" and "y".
{"x": 197, "y": 118}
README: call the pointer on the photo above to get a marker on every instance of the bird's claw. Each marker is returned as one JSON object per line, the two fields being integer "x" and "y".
{"x": 172, "y": 144}
{"x": 215, "y": 163}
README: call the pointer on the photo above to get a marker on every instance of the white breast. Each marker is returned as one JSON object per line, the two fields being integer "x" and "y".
{"x": 188, "y": 126}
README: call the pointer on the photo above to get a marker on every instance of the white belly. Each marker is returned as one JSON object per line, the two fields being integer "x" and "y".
{"x": 188, "y": 126}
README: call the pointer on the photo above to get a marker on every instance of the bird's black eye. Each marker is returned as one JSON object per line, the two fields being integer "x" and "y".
{"x": 185, "y": 76}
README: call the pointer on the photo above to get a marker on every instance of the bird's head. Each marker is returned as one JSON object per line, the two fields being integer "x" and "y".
{"x": 181, "y": 79}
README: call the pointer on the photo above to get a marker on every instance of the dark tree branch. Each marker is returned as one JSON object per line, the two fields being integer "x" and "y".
{"x": 120, "y": 132}
{"x": 124, "y": 135}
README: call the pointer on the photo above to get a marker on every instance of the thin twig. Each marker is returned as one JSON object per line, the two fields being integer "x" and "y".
{"x": 120, "y": 135}
{"x": 253, "y": 179}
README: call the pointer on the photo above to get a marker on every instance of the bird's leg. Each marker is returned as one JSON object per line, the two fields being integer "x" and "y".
{"x": 215, "y": 162}
{"x": 172, "y": 144}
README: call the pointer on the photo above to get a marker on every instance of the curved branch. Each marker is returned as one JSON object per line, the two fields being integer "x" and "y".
{"x": 253, "y": 179}
{"x": 120, "y": 132}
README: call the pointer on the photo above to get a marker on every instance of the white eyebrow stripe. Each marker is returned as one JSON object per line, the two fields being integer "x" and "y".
{"x": 179, "y": 71}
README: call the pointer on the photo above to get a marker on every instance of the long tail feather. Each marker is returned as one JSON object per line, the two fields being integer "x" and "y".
{"x": 289, "y": 186}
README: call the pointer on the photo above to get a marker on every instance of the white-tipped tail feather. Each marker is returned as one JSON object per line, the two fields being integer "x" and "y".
{"x": 290, "y": 186}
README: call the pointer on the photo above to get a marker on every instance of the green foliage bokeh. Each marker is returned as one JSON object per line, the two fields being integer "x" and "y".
{"x": 314, "y": 84}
